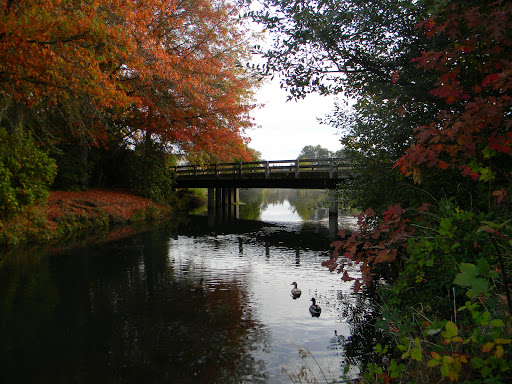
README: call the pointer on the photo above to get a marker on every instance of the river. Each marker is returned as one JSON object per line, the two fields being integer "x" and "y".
{"x": 188, "y": 303}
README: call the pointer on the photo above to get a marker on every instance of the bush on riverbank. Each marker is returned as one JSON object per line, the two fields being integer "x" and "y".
{"x": 447, "y": 309}
{"x": 26, "y": 172}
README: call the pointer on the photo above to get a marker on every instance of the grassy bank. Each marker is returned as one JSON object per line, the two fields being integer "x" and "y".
{"x": 66, "y": 215}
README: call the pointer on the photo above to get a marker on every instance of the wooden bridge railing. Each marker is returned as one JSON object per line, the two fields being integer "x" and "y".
{"x": 328, "y": 168}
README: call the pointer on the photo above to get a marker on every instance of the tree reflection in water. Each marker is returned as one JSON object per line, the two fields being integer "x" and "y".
{"x": 119, "y": 313}
{"x": 307, "y": 204}
{"x": 361, "y": 313}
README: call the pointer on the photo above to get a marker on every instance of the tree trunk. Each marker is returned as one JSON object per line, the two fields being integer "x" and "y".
{"x": 84, "y": 156}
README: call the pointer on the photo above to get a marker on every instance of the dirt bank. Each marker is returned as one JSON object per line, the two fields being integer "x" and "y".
{"x": 119, "y": 205}
{"x": 65, "y": 215}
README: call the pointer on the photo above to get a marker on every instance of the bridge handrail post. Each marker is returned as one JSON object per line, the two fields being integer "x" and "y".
{"x": 267, "y": 170}
{"x": 297, "y": 169}
{"x": 331, "y": 169}
{"x": 216, "y": 170}
{"x": 195, "y": 170}
{"x": 240, "y": 170}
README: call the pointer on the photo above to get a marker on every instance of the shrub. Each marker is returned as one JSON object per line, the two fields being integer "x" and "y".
{"x": 26, "y": 173}
{"x": 150, "y": 172}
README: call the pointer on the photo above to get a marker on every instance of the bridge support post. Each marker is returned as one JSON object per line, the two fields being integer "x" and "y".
{"x": 225, "y": 204}
{"x": 232, "y": 203}
{"x": 218, "y": 201}
{"x": 211, "y": 207}
{"x": 333, "y": 217}
{"x": 211, "y": 199}
{"x": 237, "y": 203}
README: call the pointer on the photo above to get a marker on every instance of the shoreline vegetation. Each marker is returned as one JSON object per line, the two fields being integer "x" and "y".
{"x": 102, "y": 214}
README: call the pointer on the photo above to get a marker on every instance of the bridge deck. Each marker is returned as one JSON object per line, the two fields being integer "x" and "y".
{"x": 301, "y": 173}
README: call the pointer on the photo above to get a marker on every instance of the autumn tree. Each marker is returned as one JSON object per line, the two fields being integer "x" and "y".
{"x": 169, "y": 68}
{"x": 359, "y": 48}
{"x": 471, "y": 62}
{"x": 165, "y": 75}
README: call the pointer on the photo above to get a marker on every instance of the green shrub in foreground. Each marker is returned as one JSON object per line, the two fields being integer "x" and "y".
{"x": 26, "y": 172}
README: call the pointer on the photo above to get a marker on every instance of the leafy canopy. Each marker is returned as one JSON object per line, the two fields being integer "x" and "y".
{"x": 167, "y": 68}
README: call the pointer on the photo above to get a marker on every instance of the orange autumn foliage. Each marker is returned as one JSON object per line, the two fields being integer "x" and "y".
{"x": 168, "y": 68}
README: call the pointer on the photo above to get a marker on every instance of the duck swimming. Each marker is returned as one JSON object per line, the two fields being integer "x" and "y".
{"x": 315, "y": 309}
{"x": 296, "y": 292}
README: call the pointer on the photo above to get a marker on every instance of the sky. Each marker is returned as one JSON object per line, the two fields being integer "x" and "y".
{"x": 284, "y": 128}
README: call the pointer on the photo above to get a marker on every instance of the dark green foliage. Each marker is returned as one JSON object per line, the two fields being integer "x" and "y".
{"x": 145, "y": 169}
{"x": 363, "y": 49}
{"x": 26, "y": 172}
{"x": 375, "y": 135}
{"x": 349, "y": 46}
{"x": 110, "y": 167}
{"x": 149, "y": 172}
{"x": 73, "y": 167}
{"x": 451, "y": 237}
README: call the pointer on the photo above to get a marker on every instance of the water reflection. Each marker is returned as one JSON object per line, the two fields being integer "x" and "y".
{"x": 289, "y": 205}
{"x": 182, "y": 304}
{"x": 121, "y": 313}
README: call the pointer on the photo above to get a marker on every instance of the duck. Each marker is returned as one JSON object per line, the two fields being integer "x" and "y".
{"x": 315, "y": 309}
{"x": 296, "y": 292}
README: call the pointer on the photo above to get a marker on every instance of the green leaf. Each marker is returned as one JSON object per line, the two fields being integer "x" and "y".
{"x": 486, "y": 174}
{"x": 445, "y": 371}
{"x": 446, "y": 223}
{"x": 451, "y": 329}
{"x": 480, "y": 285}
{"x": 488, "y": 152}
{"x": 483, "y": 266}
{"x": 497, "y": 323}
{"x": 433, "y": 363}
{"x": 463, "y": 279}
{"x": 469, "y": 268}
{"x": 476, "y": 363}
{"x": 416, "y": 354}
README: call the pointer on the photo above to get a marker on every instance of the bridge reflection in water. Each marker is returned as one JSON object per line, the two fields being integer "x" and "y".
{"x": 224, "y": 180}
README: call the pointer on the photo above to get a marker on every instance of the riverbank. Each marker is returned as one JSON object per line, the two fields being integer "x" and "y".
{"x": 66, "y": 215}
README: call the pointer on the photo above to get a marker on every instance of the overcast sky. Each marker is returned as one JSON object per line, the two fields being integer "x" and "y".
{"x": 286, "y": 127}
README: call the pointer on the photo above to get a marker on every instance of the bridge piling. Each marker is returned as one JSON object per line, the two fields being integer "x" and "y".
{"x": 223, "y": 203}
{"x": 218, "y": 199}
{"x": 333, "y": 217}
{"x": 211, "y": 198}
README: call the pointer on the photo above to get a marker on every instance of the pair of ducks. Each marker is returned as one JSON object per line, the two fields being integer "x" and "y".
{"x": 314, "y": 308}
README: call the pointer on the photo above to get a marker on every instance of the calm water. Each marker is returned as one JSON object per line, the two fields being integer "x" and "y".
{"x": 185, "y": 303}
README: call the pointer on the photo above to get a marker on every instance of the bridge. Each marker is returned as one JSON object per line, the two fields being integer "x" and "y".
{"x": 224, "y": 180}
{"x": 295, "y": 174}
